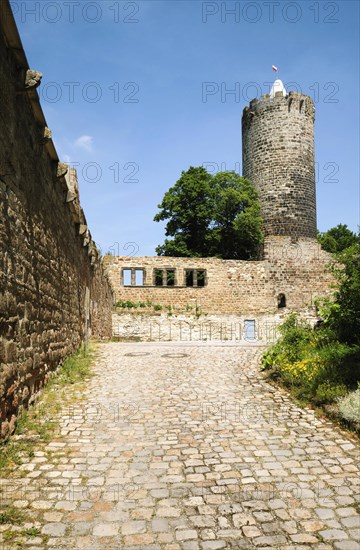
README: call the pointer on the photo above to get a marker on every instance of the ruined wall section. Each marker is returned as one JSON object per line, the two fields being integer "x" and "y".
{"x": 299, "y": 268}
{"x": 295, "y": 268}
{"x": 230, "y": 285}
{"x": 278, "y": 158}
{"x": 47, "y": 256}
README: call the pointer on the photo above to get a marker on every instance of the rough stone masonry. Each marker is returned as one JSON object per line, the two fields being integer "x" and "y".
{"x": 49, "y": 265}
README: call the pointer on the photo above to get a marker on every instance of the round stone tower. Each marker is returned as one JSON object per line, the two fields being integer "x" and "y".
{"x": 278, "y": 158}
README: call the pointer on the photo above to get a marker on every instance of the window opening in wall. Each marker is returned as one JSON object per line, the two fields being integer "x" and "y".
{"x": 170, "y": 277}
{"x": 281, "y": 301}
{"x": 127, "y": 277}
{"x": 139, "y": 277}
{"x": 195, "y": 277}
{"x": 158, "y": 277}
{"x": 189, "y": 277}
{"x": 249, "y": 330}
{"x": 200, "y": 275}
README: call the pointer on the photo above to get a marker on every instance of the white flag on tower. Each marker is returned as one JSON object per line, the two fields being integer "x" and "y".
{"x": 274, "y": 68}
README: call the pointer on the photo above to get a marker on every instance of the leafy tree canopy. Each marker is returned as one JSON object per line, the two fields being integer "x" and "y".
{"x": 337, "y": 239}
{"x": 342, "y": 315}
{"x": 211, "y": 215}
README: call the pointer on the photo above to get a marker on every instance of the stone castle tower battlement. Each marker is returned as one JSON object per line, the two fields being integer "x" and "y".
{"x": 278, "y": 158}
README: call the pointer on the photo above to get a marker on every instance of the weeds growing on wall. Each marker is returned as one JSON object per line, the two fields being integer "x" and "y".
{"x": 322, "y": 366}
{"x": 128, "y": 304}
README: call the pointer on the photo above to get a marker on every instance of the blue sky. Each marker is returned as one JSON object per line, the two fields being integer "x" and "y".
{"x": 124, "y": 92}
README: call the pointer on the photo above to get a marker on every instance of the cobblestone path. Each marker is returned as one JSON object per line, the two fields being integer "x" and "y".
{"x": 186, "y": 447}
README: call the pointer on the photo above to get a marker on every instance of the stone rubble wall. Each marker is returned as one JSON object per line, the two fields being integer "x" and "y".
{"x": 296, "y": 268}
{"x": 47, "y": 256}
{"x": 182, "y": 327}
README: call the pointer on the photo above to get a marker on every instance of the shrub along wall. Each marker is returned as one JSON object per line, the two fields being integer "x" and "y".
{"x": 51, "y": 276}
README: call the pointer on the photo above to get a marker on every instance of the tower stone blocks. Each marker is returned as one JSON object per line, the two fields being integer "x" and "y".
{"x": 278, "y": 158}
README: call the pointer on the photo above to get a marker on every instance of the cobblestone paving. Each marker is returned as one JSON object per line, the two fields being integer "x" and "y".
{"x": 187, "y": 447}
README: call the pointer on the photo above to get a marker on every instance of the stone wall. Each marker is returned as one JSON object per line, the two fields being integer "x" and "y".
{"x": 148, "y": 326}
{"x": 294, "y": 268}
{"x": 278, "y": 158}
{"x": 47, "y": 256}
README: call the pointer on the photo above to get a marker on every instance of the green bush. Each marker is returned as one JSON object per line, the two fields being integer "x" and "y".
{"x": 296, "y": 335}
{"x": 342, "y": 315}
{"x": 341, "y": 363}
{"x": 131, "y": 305}
{"x": 349, "y": 406}
{"x": 314, "y": 365}
{"x": 291, "y": 347}
{"x": 328, "y": 393}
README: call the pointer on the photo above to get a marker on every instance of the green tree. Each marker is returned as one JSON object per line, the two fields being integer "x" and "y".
{"x": 342, "y": 315}
{"x": 188, "y": 207}
{"x": 337, "y": 239}
{"x": 211, "y": 216}
{"x": 237, "y": 229}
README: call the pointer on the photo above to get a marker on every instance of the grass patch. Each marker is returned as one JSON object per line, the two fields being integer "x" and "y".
{"x": 75, "y": 368}
{"x": 84, "y": 479}
{"x": 35, "y": 427}
{"x": 31, "y": 421}
{"x": 39, "y": 423}
{"x": 13, "y": 452}
{"x": 31, "y": 532}
{"x": 12, "y": 536}
{"x": 12, "y": 516}
{"x": 16, "y": 538}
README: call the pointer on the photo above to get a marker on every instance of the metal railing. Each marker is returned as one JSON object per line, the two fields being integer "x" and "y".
{"x": 185, "y": 331}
